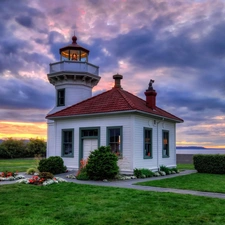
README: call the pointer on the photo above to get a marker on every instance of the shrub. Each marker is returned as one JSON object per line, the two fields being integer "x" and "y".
{"x": 82, "y": 175}
{"x": 165, "y": 169}
{"x": 31, "y": 171}
{"x": 102, "y": 164}
{"x": 12, "y": 148}
{"x": 137, "y": 173}
{"x": 209, "y": 163}
{"x": 53, "y": 164}
{"x": 46, "y": 175}
{"x": 147, "y": 172}
{"x": 143, "y": 173}
{"x": 36, "y": 146}
{"x": 82, "y": 172}
{"x": 175, "y": 169}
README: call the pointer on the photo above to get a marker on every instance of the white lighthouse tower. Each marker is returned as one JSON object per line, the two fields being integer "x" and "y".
{"x": 73, "y": 77}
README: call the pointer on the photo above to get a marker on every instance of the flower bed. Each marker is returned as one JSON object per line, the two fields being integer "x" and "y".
{"x": 36, "y": 180}
{"x": 10, "y": 176}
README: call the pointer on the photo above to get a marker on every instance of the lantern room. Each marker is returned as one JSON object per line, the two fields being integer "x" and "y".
{"x": 74, "y": 52}
{"x": 73, "y": 76}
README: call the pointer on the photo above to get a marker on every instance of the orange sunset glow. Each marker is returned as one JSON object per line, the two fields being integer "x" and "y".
{"x": 22, "y": 130}
{"x": 179, "y": 44}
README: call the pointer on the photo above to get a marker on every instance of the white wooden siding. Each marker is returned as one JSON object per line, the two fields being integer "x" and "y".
{"x": 103, "y": 122}
{"x": 157, "y": 126}
{"x": 133, "y": 125}
{"x": 51, "y": 138}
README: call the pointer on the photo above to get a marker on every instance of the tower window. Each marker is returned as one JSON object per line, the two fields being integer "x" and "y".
{"x": 61, "y": 97}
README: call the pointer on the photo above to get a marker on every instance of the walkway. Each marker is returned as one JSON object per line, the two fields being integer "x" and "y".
{"x": 130, "y": 184}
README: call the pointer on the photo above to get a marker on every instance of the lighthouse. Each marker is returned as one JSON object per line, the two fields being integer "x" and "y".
{"x": 73, "y": 76}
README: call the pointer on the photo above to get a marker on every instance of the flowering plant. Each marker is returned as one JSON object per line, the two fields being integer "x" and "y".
{"x": 82, "y": 172}
{"x": 36, "y": 180}
{"x": 10, "y": 176}
{"x": 83, "y": 164}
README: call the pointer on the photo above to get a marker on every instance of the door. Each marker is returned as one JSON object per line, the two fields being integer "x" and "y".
{"x": 88, "y": 146}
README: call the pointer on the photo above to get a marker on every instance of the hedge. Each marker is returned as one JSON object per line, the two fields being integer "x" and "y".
{"x": 210, "y": 163}
{"x": 12, "y": 148}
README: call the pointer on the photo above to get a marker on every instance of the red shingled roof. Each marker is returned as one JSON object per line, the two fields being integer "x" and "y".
{"x": 114, "y": 100}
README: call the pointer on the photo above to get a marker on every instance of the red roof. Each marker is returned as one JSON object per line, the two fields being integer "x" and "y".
{"x": 114, "y": 100}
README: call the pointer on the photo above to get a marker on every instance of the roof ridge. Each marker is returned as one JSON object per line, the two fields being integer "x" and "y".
{"x": 131, "y": 104}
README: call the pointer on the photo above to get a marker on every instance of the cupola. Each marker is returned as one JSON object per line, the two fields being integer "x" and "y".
{"x": 151, "y": 96}
{"x": 74, "y": 52}
{"x": 73, "y": 76}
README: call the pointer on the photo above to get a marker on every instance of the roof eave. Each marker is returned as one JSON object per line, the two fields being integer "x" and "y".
{"x": 115, "y": 112}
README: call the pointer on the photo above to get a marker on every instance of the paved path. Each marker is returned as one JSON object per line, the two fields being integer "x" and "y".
{"x": 130, "y": 184}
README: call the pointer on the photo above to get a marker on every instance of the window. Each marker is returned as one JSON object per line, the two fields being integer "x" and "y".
{"x": 147, "y": 143}
{"x": 114, "y": 139}
{"x": 89, "y": 133}
{"x": 61, "y": 97}
{"x": 67, "y": 143}
{"x": 165, "y": 144}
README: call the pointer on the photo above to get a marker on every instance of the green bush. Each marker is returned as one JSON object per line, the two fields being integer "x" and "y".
{"x": 137, "y": 173}
{"x": 147, "y": 172}
{"x": 53, "y": 164}
{"x": 209, "y": 163}
{"x": 82, "y": 175}
{"x": 143, "y": 173}
{"x": 31, "y": 171}
{"x": 46, "y": 175}
{"x": 3, "y": 152}
{"x": 102, "y": 164}
{"x": 175, "y": 169}
{"x": 12, "y": 148}
{"x": 36, "y": 146}
{"x": 165, "y": 169}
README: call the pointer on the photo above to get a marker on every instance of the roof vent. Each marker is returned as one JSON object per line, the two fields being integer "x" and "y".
{"x": 117, "y": 77}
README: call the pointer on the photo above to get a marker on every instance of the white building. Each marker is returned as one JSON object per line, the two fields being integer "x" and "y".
{"x": 140, "y": 133}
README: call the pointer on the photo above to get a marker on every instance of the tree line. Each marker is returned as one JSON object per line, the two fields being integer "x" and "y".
{"x": 12, "y": 148}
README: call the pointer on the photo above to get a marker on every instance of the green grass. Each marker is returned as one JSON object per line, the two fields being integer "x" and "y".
{"x": 70, "y": 203}
{"x": 185, "y": 166}
{"x": 13, "y": 165}
{"x": 197, "y": 181}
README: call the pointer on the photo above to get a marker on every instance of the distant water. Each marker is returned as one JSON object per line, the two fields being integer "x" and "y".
{"x": 201, "y": 151}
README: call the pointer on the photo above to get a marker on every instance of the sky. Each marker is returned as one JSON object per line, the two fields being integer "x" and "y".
{"x": 179, "y": 44}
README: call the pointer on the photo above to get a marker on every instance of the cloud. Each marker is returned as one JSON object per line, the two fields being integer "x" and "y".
{"x": 179, "y": 44}
{"x": 17, "y": 94}
{"x": 25, "y": 21}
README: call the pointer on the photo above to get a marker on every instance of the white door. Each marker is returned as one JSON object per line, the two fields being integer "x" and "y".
{"x": 88, "y": 146}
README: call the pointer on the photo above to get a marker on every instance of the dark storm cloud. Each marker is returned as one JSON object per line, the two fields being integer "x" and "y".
{"x": 58, "y": 10}
{"x": 144, "y": 49}
{"x": 23, "y": 115}
{"x": 97, "y": 56}
{"x": 190, "y": 100}
{"x": 25, "y": 21}
{"x": 16, "y": 94}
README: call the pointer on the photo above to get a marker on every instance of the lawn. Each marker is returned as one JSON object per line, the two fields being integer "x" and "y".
{"x": 70, "y": 203}
{"x": 13, "y": 165}
{"x": 197, "y": 181}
